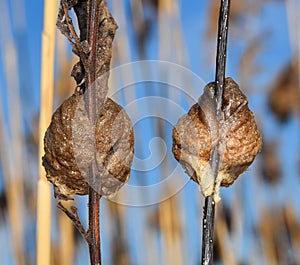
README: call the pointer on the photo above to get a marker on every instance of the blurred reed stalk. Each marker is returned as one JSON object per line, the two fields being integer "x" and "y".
{"x": 14, "y": 180}
{"x": 121, "y": 55}
{"x": 64, "y": 88}
{"x": 119, "y": 251}
{"x": 13, "y": 189}
{"x": 12, "y": 144}
{"x": 292, "y": 10}
{"x": 170, "y": 228}
{"x": 222, "y": 235}
{"x": 121, "y": 50}
{"x": 280, "y": 237}
{"x": 46, "y": 102}
{"x": 66, "y": 229}
{"x": 169, "y": 221}
{"x": 170, "y": 31}
{"x": 267, "y": 228}
{"x": 294, "y": 230}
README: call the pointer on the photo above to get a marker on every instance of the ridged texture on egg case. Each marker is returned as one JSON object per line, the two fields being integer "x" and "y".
{"x": 71, "y": 143}
{"x": 195, "y": 137}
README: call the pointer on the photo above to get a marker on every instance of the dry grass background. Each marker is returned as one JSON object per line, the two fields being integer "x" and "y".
{"x": 260, "y": 231}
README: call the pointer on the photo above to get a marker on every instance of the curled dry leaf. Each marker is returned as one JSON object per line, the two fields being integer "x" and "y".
{"x": 197, "y": 133}
{"x": 72, "y": 142}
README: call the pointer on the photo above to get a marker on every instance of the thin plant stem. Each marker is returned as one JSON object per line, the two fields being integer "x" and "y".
{"x": 94, "y": 197}
{"x": 89, "y": 14}
{"x": 94, "y": 228}
{"x": 209, "y": 207}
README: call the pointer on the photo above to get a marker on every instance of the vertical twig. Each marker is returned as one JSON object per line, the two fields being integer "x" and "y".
{"x": 94, "y": 224}
{"x": 209, "y": 207}
{"x": 97, "y": 29}
{"x": 94, "y": 197}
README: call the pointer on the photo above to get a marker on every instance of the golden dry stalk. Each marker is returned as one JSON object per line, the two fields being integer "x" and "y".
{"x": 197, "y": 133}
{"x": 72, "y": 142}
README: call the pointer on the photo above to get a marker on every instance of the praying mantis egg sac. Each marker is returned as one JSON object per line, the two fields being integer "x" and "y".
{"x": 197, "y": 133}
{"x": 71, "y": 143}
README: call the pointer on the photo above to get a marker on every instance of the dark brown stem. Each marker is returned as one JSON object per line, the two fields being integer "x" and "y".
{"x": 93, "y": 24}
{"x": 94, "y": 197}
{"x": 94, "y": 47}
{"x": 94, "y": 242}
{"x": 209, "y": 207}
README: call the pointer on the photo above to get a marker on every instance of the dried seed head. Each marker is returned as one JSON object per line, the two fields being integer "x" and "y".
{"x": 196, "y": 134}
{"x": 71, "y": 142}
